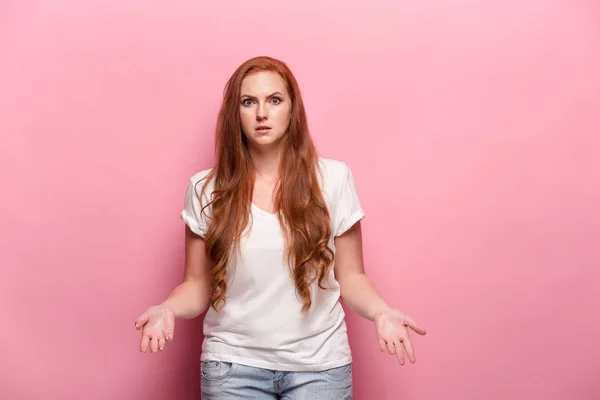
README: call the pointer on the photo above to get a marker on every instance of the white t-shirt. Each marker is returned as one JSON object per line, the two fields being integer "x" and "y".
{"x": 261, "y": 324}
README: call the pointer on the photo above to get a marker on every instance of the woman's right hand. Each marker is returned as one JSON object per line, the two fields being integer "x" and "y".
{"x": 157, "y": 325}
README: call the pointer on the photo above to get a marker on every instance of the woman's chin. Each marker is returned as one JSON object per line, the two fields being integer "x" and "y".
{"x": 266, "y": 141}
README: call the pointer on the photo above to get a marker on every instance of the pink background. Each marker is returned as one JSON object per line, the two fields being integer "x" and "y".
{"x": 472, "y": 129}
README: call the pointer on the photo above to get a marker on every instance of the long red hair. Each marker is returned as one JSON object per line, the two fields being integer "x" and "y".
{"x": 303, "y": 213}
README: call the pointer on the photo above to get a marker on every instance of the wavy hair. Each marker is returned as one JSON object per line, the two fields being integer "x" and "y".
{"x": 303, "y": 214}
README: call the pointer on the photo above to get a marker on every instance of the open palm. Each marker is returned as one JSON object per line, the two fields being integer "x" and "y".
{"x": 392, "y": 332}
{"x": 157, "y": 324}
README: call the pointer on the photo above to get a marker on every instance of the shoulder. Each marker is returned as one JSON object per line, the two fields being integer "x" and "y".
{"x": 200, "y": 176}
{"x": 334, "y": 171}
{"x": 198, "y": 182}
{"x": 335, "y": 175}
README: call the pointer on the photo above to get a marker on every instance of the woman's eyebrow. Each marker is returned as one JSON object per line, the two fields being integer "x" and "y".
{"x": 271, "y": 95}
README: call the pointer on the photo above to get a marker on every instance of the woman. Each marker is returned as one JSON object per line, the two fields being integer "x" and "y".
{"x": 273, "y": 240}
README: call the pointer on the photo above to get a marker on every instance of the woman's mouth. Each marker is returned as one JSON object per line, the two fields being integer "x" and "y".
{"x": 263, "y": 129}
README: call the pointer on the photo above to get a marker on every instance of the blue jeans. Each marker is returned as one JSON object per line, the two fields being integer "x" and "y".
{"x": 228, "y": 381}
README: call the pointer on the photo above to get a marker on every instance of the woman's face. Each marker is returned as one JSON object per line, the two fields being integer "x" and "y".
{"x": 265, "y": 108}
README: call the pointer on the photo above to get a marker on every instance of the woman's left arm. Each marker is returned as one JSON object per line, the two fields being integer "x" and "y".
{"x": 362, "y": 297}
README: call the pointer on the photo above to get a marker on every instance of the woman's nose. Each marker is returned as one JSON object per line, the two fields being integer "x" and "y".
{"x": 261, "y": 112}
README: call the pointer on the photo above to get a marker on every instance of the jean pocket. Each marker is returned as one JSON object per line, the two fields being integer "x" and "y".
{"x": 216, "y": 371}
{"x": 338, "y": 373}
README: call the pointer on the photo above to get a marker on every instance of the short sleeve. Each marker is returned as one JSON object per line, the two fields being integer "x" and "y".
{"x": 192, "y": 214}
{"x": 348, "y": 209}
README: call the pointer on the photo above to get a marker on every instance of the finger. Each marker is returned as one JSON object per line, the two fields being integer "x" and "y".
{"x": 382, "y": 345}
{"x": 410, "y": 351}
{"x": 154, "y": 344}
{"x": 399, "y": 352}
{"x": 169, "y": 335}
{"x": 141, "y": 321}
{"x": 390, "y": 348}
{"x": 144, "y": 343}
{"x": 161, "y": 343}
{"x": 414, "y": 326}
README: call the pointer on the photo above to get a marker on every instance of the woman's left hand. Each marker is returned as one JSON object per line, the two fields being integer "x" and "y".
{"x": 392, "y": 331}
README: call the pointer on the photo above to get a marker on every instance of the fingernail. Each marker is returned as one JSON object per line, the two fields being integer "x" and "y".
{"x": 162, "y": 348}
{"x": 136, "y": 324}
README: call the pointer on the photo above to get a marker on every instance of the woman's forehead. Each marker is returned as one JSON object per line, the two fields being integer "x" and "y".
{"x": 263, "y": 83}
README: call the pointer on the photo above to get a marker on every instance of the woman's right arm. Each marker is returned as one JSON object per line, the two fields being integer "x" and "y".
{"x": 190, "y": 298}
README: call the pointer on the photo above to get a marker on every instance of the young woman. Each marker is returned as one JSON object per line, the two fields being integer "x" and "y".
{"x": 272, "y": 241}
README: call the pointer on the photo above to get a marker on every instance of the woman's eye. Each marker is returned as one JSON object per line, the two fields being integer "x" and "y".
{"x": 276, "y": 100}
{"x": 246, "y": 102}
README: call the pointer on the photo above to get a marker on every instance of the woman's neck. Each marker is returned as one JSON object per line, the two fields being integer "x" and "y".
{"x": 266, "y": 164}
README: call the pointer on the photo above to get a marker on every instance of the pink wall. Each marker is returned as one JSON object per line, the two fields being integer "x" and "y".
{"x": 472, "y": 131}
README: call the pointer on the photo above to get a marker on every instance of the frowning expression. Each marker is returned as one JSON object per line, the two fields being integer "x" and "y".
{"x": 265, "y": 108}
